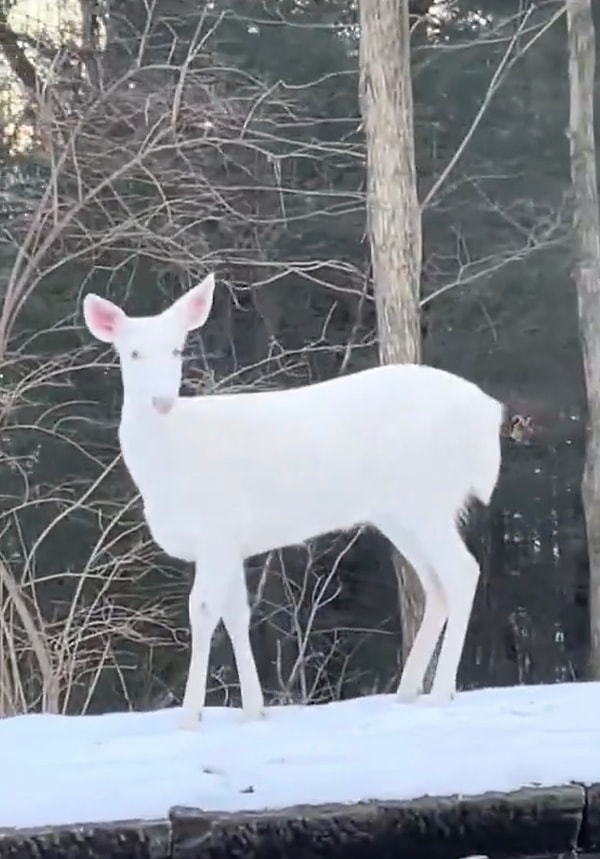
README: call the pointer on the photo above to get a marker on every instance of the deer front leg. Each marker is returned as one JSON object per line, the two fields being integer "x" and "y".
{"x": 205, "y": 608}
{"x": 236, "y": 618}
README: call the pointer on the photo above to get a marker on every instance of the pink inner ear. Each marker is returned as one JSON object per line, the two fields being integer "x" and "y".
{"x": 105, "y": 317}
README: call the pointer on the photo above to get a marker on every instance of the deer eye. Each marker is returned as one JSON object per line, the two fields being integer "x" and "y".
{"x": 135, "y": 354}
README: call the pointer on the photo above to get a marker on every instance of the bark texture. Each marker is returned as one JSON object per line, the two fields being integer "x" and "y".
{"x": 393, "y": 211}
{"x": 581, "y": 39}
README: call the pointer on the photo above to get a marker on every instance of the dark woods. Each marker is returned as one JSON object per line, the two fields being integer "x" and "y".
{"x": 172, "y": 145}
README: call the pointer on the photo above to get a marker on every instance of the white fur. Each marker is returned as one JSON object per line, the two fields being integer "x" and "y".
{"x": 400, "y": 447}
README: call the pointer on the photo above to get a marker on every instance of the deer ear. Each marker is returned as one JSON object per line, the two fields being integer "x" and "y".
{"x": 194, "y": 307}
{"x": 103, "y": 318}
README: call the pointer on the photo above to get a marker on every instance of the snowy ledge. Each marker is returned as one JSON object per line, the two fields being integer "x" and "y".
{"x": 509, "y": 772}
{"x": 526, "y": 823}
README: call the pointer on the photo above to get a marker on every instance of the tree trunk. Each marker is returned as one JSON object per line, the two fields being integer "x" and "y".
{"x": 393, "y": 211}
{"x": 581, "y": 41}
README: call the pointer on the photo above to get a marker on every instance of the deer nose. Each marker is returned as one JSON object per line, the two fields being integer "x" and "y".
{"x": 163, "y": 405}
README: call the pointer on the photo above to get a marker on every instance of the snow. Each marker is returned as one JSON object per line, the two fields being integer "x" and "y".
{"x": 67, "y": 769}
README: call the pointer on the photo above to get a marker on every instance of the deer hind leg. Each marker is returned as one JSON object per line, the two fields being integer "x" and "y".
{"x": 236, "y": 618}
{"x": 435, "y": 614}
{"x": 459, "y": 573}
{"x": 434, "y": 617}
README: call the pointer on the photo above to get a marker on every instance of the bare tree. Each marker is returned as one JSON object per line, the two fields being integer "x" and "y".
{"x": 393, "y": 210}
{"x": 581, "y": 41}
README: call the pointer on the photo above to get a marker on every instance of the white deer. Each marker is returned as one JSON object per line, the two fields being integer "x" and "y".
{"x": 224, "y": 477}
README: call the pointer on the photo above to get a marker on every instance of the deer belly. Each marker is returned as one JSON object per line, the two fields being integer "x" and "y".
{"x": 171, "y": 534}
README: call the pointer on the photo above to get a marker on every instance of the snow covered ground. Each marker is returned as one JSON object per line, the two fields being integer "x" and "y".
{"x": 60, "y": 769}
